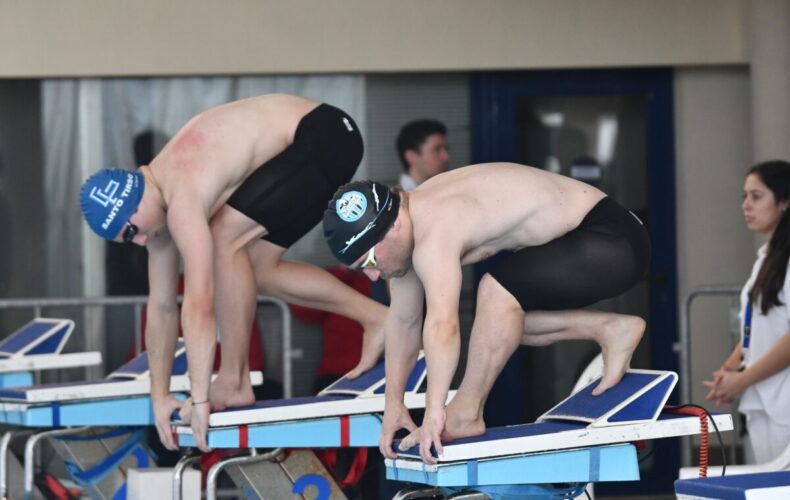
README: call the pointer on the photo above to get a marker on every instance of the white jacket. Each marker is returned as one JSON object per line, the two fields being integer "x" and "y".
{"x": 771, "y": 395}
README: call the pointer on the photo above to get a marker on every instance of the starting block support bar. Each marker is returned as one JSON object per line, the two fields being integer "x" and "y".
{"x": 7, "y": 461}
{"x": 216, "y": 469}
{"x": 31, "y": 446}
{"x": 178, "y": 473}
{"x": 99, "y": 457}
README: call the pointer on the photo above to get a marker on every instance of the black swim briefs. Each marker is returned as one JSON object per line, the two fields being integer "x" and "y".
{"x": 602, "y": 258}
{"x": 288, "y": 194}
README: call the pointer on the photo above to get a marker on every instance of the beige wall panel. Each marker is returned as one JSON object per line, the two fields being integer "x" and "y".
{"x": 714, "y": 150}
{"x": 156, "y": 37}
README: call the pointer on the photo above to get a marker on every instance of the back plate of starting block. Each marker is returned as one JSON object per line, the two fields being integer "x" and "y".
{"x": 39, "y": 336}
{"x": 638, "y": 397}
{"x": 37, "y": 346}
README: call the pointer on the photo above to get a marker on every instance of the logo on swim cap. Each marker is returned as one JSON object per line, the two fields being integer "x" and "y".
{"x": 351, "y": 206}
{"x": 109, "y": 198}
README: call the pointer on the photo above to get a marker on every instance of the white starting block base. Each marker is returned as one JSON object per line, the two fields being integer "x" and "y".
{"x": 760, "y": 486}
{"x": 147, "y": 484}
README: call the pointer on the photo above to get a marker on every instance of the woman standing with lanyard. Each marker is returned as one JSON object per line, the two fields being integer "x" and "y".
{"x": 758, "y": 370}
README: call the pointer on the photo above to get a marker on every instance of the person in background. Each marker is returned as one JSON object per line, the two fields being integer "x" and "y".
{"x": 758, "y": 369}
{"x": 423, "y": 151}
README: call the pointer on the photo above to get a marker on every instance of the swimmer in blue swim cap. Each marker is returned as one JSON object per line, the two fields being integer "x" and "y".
{"x": 109, "y": 199}
{"x": 230, "y": 193}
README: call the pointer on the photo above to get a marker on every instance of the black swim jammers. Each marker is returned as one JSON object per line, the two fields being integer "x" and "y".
{"x": 288, "y": 194}
{"x": 602, "y": 258}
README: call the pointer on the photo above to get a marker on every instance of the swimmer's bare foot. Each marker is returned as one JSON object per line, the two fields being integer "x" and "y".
{"x": 225, "y": 393}
{"x": 372, "y": 349}
{"x": 462, "y": 421}
{"x": 618, "y": 339}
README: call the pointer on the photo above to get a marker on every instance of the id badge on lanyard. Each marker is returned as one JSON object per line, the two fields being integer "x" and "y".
{"x": 747, "y": 332}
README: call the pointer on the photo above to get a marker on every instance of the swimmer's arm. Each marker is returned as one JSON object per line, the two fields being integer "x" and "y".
{"x": 188, "y": 225}
{"x": 402, "y": 333}
{"x": 161, "y": 332}
{"x": 439, "y": 269}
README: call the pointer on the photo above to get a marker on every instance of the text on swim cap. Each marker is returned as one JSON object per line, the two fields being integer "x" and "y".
{"x": 106, "y": 196}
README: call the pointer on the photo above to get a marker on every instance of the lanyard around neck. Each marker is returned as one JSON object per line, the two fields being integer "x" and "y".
{"x": 747, "y": 325}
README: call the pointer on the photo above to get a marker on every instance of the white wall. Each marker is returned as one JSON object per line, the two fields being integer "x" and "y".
{"x": 177, "y": 37}
{"x": 713, "y": 152}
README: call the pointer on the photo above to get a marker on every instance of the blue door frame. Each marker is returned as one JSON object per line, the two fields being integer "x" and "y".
{"x": 494, "y": 98}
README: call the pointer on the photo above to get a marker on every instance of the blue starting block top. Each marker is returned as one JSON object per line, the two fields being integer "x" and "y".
{"x": 122, "y": 398}
{"x": 582, "y": 439}
{"x": 759, "y": 486}
{"x": 347, "y": 413}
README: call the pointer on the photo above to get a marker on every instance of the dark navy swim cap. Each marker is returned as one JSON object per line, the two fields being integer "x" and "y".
{"x": 109, "y": 198}
{"x": 359, "y": 216}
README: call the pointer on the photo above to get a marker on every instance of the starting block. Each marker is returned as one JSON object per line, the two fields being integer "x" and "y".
{"x": 37, "y": 346}
{"x": 758, "y": 486}
{"x": 122, "y": 398}
{"x": 107, "y": 420}
{"x": 345, "y": 414}
{"x": 584, "y": 439}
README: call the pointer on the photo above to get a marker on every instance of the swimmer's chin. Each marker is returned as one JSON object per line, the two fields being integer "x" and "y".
{"x": 400, "y": 273}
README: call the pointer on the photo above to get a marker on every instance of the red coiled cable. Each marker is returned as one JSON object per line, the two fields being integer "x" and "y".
{"x": 703, "y": 424}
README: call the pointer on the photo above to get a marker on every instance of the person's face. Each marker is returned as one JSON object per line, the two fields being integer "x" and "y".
{"x": 432, "y": 158}
{"x": 142, "y": 225}
{"x": 761, "y": 212}
{"x": 384, "y": 261}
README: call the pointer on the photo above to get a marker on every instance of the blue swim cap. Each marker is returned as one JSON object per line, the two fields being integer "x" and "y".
{"x": 109, "y": 198}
